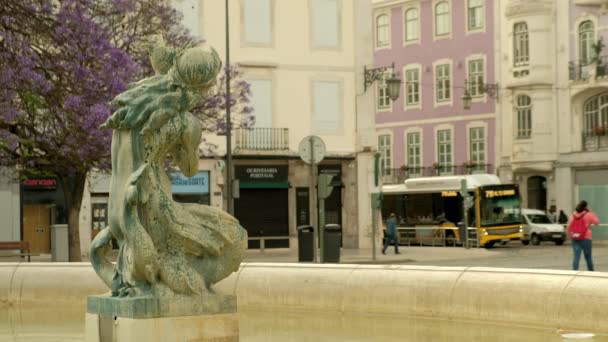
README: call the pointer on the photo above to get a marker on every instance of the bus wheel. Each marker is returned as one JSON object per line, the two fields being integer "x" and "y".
{"x": 525, "y": 242}
{"x": 450, "y": 240}
{"x": 489, "y": 244}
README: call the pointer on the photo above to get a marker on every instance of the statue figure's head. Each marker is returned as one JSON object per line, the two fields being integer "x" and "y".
{"x": 196, "y": 67}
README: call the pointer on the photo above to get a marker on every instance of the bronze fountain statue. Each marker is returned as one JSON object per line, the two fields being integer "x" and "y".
{"x": 171, "y": 253}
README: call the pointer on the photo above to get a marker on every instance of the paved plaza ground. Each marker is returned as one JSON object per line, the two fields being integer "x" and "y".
{"x": 512, "y": 255}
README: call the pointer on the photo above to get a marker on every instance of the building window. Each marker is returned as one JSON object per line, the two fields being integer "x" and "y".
{"x": 475, "y": 13}
{"x": 261, "y": 102}
{"x": 442, "y": 82}
{"x": 596, "y": 115}
{"x": 411, "y": 25}
{"x": 524, "y": 117}
{"x": 325, "y": 23}
{"x": 444, "y": 150}
{"x": 99, "y": 215}
{"x": 382, "y": 30}
{"x": 414, "y": 153}
{"x": 477, "y": 146}
{"x": 384, "y": 101}
{"x": 442, "y": 19}
{"x": 412, "y": 87}
{"x": 326, "y": 117}
{"x": 585, "y": 38}
{"x": 476, "y": 74}
{"x": 384, "y": 147}
{"x": 257, "y": 28}
{"x": 521, "y": 49}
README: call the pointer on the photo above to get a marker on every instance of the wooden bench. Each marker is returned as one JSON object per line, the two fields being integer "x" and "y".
{"x": 22, "y": 246}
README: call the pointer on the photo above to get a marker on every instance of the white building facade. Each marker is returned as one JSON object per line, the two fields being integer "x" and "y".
{"x": 552, "y": 139}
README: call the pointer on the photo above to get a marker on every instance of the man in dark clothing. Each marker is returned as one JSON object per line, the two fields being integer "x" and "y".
{"x": 563, "y": 218}
{"x": 391, "y": 234}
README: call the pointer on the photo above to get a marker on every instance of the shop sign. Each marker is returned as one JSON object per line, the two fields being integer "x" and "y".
{"x": 40, "y": 184}
{"x": 198, "y": 184}
{"x": 261, "y": 173}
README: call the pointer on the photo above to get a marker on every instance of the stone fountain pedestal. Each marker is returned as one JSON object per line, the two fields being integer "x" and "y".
{"x": 208, "y": 318}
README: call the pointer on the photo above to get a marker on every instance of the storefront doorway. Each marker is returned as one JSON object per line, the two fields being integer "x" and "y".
{"x": 42, "y": 206}
{"x": 537, "y": 193}
{"x": 263, "y": 204}
{"x": 37, "y": 227}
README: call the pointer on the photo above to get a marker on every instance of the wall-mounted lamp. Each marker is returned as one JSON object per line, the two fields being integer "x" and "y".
{"x": 393, "y": 83}
{"x": 484, "y": 88}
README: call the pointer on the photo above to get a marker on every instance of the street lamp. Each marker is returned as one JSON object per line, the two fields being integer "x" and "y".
{"x": 466, "y": 98}
{"x": 393, "y": 83}
{"x": 483, "y": 88}
{"x": 229, "y": 194}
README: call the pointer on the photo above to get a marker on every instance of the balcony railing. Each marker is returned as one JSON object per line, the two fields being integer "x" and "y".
{"x": 583, "y": 70}
{"x": 595, "y": 141}
{"x": 262, "y": 139}
{"x": 397, "y": 176}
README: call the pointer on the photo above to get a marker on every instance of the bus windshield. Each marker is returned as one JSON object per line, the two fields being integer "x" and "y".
{"x": 499, "y": 206}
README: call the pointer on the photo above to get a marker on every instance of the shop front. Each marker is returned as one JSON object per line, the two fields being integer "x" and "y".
{"x": 185, "y": 190}
{"x": 333, "y": 203}
{"x": 191, "y": 190}
{"x": 592, "y": 186}
{"x": 262, "y": 207}
{"x": 42, "y": 206}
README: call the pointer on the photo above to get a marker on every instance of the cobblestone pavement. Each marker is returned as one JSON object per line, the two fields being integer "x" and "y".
{"x": 512, "y": 255}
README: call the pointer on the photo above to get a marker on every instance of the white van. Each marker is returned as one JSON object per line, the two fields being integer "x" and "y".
{"x": 538, "y": 227}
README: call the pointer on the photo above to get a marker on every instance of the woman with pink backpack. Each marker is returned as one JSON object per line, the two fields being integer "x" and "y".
{"x": 579, "y": 232}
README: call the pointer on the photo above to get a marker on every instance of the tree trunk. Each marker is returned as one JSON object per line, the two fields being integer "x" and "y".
{"x": 73, "y": 188}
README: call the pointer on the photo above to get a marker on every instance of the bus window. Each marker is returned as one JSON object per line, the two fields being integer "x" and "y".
{"x": 394, "y": 204}
{"x": 433, "y": 208}
{"x": 500, "y": 207}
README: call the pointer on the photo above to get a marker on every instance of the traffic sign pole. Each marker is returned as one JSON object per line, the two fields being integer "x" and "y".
{"x": 312, "y": 151}
{"x": 313, "y": 193}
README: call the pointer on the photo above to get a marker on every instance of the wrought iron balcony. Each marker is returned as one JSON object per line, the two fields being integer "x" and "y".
{"x": 595, "y": 140}
{"x": 261, "y": 139}
{"x": 397, "y": 176}
{"x": 582, "y": 70}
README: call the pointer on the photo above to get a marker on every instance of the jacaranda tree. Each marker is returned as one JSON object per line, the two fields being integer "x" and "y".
{"x": 61, "y": 63}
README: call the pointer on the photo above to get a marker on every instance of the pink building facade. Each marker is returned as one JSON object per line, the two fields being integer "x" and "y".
{"x": 440, "y": 50}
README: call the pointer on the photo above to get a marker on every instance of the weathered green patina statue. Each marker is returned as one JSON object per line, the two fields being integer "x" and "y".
{"x": 170, "y": 253}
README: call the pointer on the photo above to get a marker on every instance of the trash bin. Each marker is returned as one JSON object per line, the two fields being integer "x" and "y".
{"x": 332, "y": 241}
{"x": 59, "y": 243}
{"x": 305, "y": 245}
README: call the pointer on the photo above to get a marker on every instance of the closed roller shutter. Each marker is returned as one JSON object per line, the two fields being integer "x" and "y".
{"x": 264, "y": 212}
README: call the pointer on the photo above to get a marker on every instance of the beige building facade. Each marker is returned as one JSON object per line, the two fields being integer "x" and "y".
{"x": 304, "y": 62}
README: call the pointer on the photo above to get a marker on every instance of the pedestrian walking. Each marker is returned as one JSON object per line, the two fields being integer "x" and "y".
{"x": 563, "y": 218}
{"x": 579, "y": 231}
{"x": 391, "y": 234}
{"x": 552, "y": 214}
